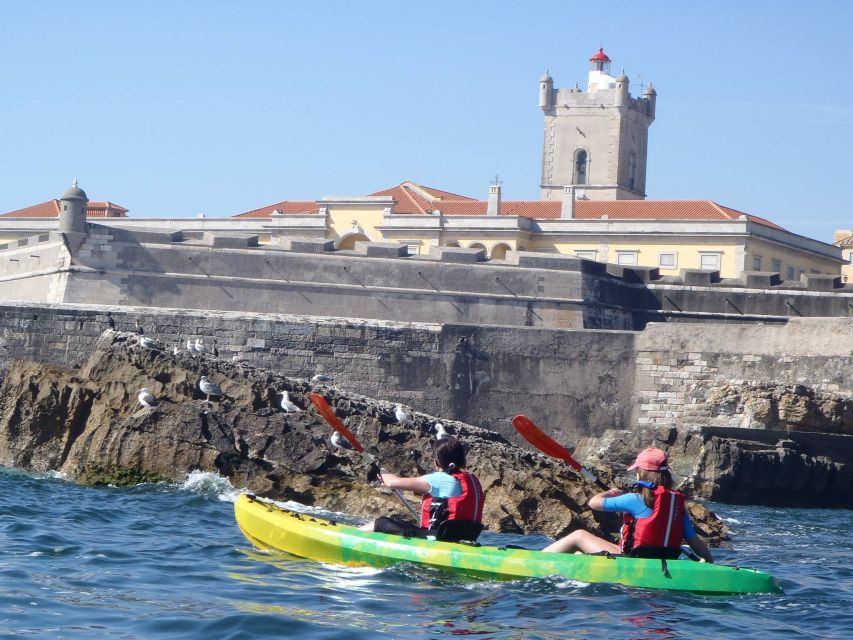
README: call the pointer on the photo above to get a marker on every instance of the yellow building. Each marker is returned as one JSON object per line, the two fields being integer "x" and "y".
{"x": 670, "y": 235}
{"x": 844, "y": 240}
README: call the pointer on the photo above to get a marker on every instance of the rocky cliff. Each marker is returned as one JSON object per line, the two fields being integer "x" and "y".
{"x": 88, "y": 423}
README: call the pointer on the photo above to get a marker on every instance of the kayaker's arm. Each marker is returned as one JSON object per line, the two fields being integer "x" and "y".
{"x": 597, "y": 501}
{"x": 698, "y": 545}
{"x": 393, "y": 481}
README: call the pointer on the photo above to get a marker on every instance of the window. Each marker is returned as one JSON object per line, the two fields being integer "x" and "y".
{"x": 626, "y": 258}
{"x": 581, "y": 160}
{"x": 777, "y": 266}
{"x": 586, "y": 255}
{"x": 414, "y": 248}
{"x": 850, "y": 256}
{"x": 709, "y": 260}
{"x": 792, "y": 273}
{"x": 668, "y": 260}
{"x": 756, "y": 263}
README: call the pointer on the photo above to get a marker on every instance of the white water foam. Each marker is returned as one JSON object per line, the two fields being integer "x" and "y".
{"x": 212, "y": 485}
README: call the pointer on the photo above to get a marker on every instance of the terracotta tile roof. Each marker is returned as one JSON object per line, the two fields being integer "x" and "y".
{"x": 288, "y": 208}
{"x": 50, "y": 209}
{"x": 845, "y": 242}
{"x": 412, "y": 198}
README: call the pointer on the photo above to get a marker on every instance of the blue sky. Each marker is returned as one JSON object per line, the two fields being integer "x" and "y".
{"x": 176, "y": 108}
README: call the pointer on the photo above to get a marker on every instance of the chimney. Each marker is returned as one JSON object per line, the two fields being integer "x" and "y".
{"x": 494, "y": 206}
{"x": 567, "y": 212}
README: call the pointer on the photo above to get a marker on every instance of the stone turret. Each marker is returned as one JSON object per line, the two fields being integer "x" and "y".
{"x": 72, "y": 210}
{"x": 546, "y": 91}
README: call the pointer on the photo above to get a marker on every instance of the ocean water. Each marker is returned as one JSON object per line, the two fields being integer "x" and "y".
{"x": 168, "y": 561}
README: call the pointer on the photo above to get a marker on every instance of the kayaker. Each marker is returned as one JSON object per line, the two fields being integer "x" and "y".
{"x": 449, "y": 494}
{"x": 656, "y": 519}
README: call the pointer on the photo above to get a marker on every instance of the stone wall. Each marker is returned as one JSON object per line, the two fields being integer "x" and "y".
{"x": 676, "y": 364}
{"x": 568, "y": 380}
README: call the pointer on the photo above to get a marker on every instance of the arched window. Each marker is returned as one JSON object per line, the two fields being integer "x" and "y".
{"x": 349, "y": 240}
{"x": 581, "y": 161}
{"x": 499, "y": 251}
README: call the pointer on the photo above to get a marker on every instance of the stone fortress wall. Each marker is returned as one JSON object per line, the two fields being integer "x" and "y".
{"x": 572, "y": 382}
{"x": 231, "y": 272}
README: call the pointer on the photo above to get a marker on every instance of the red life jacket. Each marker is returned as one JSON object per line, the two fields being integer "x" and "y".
{"x": 663, "y": 528}
{"x": 466, "y": 506}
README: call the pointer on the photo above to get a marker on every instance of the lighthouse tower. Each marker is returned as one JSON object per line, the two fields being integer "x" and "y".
{"x": 595, "y": 140}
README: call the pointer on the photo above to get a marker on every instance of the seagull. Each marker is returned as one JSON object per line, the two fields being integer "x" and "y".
{"x": 110, "y": 321}
{"x": 190, "y": 345}
{"x": 321, "y": 378}
{"x": 402, "y": 417}
{"x": 199, "y": 346}
{"x": 440, "y": 432}
{"x": 147, "y": 343}
{"x": 146, "y": 399}
{"x": 209, "y": 388}
{"x": 215, "y": 350}
{"x": 139, "y": 328}
{"x": 286, "y": 404}
{"x": 340, "y": 442}
{"x": 176, "y": 349}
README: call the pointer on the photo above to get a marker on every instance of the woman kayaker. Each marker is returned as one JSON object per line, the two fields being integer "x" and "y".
{"x": 449, "y": 494}
{"x": 656, "y": 519}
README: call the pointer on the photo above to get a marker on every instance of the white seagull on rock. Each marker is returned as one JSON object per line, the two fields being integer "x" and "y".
{"x": 286, "y": 404}
{"x": 402, "y": 417}
{"x": 147, "y": 343}
{"x": 199, "y": 346}
{"x": 190, "y": 345}
{"x": 440, "y": 432}
{"x": 321, "y": 378}
{"x": 209, "y": 388}
{"x": 340, "y": 442}
{"x": 146, "y": 399}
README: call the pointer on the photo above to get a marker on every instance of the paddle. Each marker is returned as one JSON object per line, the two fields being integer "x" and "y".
{"x": 547, "y": 445}
{"x": 335, "y": 422}
{"x": 539, "y": 439}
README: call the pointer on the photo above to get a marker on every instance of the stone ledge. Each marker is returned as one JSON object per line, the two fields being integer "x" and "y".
{"x": 307, "y": 245}
{"x": 760, "y": 279}
{"x": 229, "y": 241}
{"x": 382, "y": 249}
{"x": 458, "y": 255}
{"x": 700, "y": 277}
{"x": 821, "y": 282}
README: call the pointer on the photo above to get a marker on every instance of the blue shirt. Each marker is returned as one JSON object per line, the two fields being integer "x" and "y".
{"x": 442, "y": 485}
{"x": 633, "y": 504}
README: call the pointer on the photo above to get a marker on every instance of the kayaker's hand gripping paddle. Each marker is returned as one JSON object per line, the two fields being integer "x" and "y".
{"x": 547, "y": 445}
{"x": 335, "y": 422}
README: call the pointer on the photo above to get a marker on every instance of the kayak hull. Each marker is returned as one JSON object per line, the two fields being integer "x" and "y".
{"x": 268, "y": 526}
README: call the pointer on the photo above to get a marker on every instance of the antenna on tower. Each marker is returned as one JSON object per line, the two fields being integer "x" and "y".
{"x": 497, "y": 180}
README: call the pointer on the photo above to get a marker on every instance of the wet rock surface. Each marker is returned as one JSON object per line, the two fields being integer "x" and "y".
{"x": 88, "y": 424}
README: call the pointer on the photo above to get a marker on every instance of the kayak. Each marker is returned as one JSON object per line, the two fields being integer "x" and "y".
{"x": 271, "y": 527}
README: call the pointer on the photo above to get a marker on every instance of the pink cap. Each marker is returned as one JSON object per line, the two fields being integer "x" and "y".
{"x": 650, "y": 459}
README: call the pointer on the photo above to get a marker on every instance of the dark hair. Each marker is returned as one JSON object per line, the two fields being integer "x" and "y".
{"x": 449, "y": 454}
{"x": 662, "y": 478}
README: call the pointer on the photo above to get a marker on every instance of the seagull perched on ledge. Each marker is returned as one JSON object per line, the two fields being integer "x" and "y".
{"x": 440, "y": 432}
{"x": 199, "y": 346}
{"x": 286, "y": 404}
{"x": 321, "y": 378}
{"x": 146, "y": 399}
{"x": 209, "y": 388}
{"x": 402, "y": 417}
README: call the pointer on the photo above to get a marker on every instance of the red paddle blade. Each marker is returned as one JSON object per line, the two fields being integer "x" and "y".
{"x": 334, "y": 421}
{"x": 547, "y": 445}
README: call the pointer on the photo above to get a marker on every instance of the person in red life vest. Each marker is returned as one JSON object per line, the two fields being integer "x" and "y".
{"x": 656, "y": 520}
{"x": 449, "y": 494}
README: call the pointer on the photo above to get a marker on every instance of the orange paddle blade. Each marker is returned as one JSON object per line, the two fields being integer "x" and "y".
{"x": 334, "y": 421}
{"x": 539, "y": 439}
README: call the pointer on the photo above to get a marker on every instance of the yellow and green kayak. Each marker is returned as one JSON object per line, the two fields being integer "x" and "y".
{"x": 269, "y": 526}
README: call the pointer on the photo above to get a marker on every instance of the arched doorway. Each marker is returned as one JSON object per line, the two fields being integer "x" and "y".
{"x": 499, "y": 251}
{"x": 477, "y": 245}
{"x": 349, "y": 240}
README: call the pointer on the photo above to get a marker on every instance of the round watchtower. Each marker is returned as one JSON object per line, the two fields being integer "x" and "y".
{"x": 72, "y": 210}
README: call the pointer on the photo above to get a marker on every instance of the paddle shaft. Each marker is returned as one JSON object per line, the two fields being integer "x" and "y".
{"x": 335, "y": 422}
